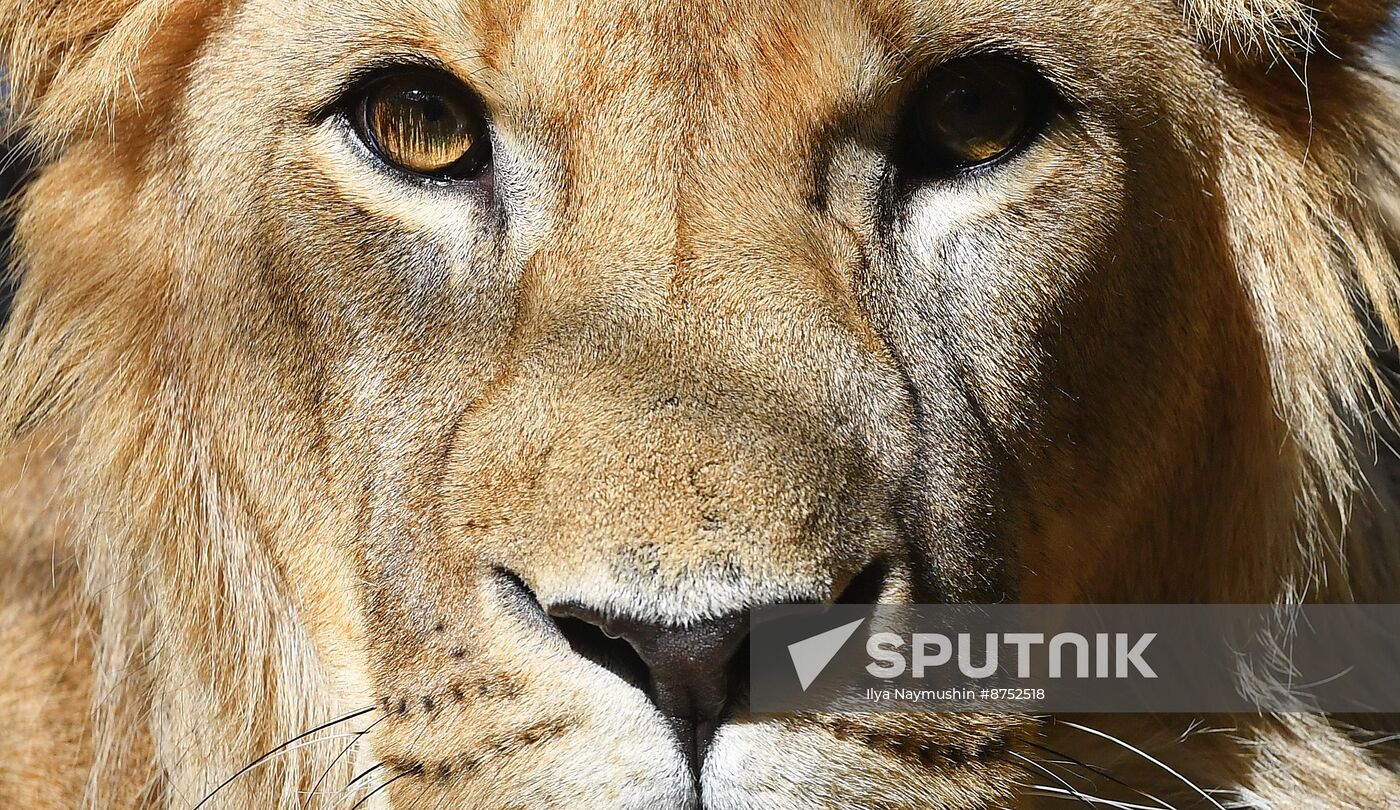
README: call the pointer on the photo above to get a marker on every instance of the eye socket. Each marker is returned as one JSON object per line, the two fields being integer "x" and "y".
{"x": 975, "y": 111}
{"x": 424, "y": 123}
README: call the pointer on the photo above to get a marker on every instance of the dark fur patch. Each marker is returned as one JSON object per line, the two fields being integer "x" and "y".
{"x": 467, "y": 765}
{"x": 930, "y": 754}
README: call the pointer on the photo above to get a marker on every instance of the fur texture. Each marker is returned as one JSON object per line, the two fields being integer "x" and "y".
{"x": 274, "y": 420}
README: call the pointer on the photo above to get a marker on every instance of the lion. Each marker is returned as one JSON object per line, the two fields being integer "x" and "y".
{"x": 404, "y": 402}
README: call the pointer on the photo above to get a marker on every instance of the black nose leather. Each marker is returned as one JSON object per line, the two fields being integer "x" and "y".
{"x": 689, "y": 672}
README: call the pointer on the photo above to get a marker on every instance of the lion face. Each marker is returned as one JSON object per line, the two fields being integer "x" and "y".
{"x": 532, "y": 344}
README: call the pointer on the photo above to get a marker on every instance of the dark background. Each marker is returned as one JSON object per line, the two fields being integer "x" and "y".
{"x": 13, "y": 168}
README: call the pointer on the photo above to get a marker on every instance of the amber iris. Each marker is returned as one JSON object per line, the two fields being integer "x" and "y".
{"x": 424, "y": 124}
{"x": 976, "y": 110}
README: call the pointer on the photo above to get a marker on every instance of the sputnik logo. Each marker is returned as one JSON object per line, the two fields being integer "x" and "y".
{"x": 810, "y": 656}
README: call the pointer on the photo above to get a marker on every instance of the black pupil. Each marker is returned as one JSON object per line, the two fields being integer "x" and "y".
{"x": 966, "y": 101}
{"x": 973, "y": 113}
{"x": 422, "y": 125}
{"x": 430, "y": 105}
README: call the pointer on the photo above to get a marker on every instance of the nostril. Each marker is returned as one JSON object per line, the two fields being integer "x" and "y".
{"x": 521, "y": 598}
{"x": 691, "y": 672}
{"x": 587, "y": 637}
{"x": 866, "y": 587}
{"x": 605, "y": 648}
{"x": 738, "y": 676}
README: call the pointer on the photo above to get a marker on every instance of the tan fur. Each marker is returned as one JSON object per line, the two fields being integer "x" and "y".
{"x": 270, "y": 422}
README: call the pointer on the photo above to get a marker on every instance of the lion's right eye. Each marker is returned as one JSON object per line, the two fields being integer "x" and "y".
{"x": 974, "y": 112}
{"x": 423, "y": 123}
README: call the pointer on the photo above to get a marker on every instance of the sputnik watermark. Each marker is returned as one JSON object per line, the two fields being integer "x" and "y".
{"x": 1078, "y": 658}
{"x": 1114, "y": 655}
{"x": 1118, "y": 655}
{"x": 810, "y": 656}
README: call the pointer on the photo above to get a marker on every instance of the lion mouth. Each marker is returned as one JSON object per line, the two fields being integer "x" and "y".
{"x": 696, "y": 685}
{"x": 735, "y": 776}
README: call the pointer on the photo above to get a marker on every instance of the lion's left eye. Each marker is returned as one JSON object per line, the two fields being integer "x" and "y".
{"x": 423, "y": 123}
{"x": 974, "y": 111}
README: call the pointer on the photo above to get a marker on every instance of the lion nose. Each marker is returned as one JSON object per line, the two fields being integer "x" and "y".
{"x": 689, "y": 672}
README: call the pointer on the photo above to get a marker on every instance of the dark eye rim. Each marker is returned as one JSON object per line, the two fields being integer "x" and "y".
{"x": 354, "y": 111}
{"x": 915, "y": 166}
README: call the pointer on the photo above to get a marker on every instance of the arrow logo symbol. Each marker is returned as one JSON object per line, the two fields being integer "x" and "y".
{"x": 810, "y": 656}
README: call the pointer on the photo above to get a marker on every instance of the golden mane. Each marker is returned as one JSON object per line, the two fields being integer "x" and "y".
{"x": 1310, "y": 214}
{"x": 1309, "y": 211}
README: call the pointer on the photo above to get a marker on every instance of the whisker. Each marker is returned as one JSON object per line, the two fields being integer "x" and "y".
{"x": 373, "y": 768}
{"x": 284, "y": 746}
{"x": 1060, "y": 793}
{"x": 308, "y": 743}
{"x": 366, "y": 772}
{"x": 369, "y": 795}
{"x": 1052, "y": 775}
{"x": 1066, "y": 769}
{"x": 1381, "y": 741}
{"x": 321, "y": 780}
{"x": 1164, "y": 766}
{"x": 1101, "y": 772}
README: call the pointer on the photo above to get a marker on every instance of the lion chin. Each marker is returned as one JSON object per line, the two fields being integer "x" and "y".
{"x": 406, "y": 404}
